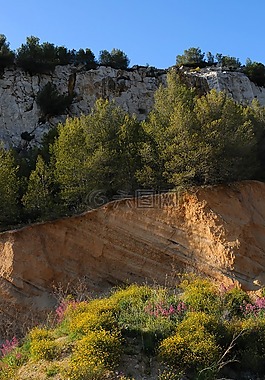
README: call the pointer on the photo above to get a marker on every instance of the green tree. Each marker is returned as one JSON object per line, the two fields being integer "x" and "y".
{"x": 70, "y": 159}
{"x": 51, "y": 102}
{"x": 87, "y": 58}
{"x": 7, "y": 56}
{"x": 210, "y": 58}
{"x": 38, "y": 200}
{"x": 203, "y": 140}
{"x": 227, "y": 138}
{"x": 191, "y": 57}
{"x": 31, "y": 57}
{"x": 175, "y": 98}
{"x": 9, "y": 187}
{"x": 64, "y": 55}
{"x": 116, "y": 59}
{"x": 256, "y": 72}
{"x": 97, "y": 151}
{"x": 232, "y": 63}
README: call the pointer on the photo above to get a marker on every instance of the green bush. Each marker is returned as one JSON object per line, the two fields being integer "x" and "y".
{"x": 7, "y": 56}
{"x": 51, "y": 102}
{"x": 34, "y": 57}
{"x": 201, "y": 294}
{"x": 42, "y": 344}
{"x": 116, "y": 59}
{"x": 193, "y": 57}
{"x": 251, "y": 345}
{"x": 86, "y": 57}
{"x": 256, "y": 72}
{"x": 94, "y": 355}
{"x": 194, "y": 346}
{"x": 234, "y": 300}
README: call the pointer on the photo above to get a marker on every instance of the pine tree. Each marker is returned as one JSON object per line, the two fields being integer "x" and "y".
{"x": 38, "y": 200}
{"x": 9, "y": 187}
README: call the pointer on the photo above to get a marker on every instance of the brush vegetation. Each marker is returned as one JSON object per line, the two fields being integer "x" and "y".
{"x": 196, "y": 329}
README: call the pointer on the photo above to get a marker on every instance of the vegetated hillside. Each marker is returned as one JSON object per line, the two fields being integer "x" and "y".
{"x": 195, "y": 330}
{"x": 217, "y": 231}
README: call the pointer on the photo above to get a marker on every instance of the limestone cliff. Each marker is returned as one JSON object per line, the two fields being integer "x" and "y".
{"x": 218, "y": 231}
{"x": 132, "y": 89}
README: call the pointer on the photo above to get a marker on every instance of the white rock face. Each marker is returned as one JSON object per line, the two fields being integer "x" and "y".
{"x": 132, "y": 89}
{"x": 237, "y": 84}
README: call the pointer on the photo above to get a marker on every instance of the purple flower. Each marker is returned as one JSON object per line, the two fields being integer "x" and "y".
{"x": 8, "y": 346}
{"x": 162, "y": 310}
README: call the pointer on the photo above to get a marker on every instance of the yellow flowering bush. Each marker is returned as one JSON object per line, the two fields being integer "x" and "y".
{"x": 251, "y": 344}
{"x": 193, "y": 346}
{"x": 89, "y": 321}
{"x": 94, "y": 354}
{"x": 42, "y": 344}
{"x": 201, "y": 294}
{"x": 132, "y": 294}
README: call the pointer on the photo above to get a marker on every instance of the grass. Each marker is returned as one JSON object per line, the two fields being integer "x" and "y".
{"x": 197, "y": 329}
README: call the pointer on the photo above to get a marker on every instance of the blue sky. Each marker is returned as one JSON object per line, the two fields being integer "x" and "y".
{"x": 149, "y": 32}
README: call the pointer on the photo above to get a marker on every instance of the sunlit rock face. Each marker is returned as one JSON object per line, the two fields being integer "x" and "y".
{"x": 216, "y": 231}
{"x": 234, "y": 83}
{"x": 132, "y": 89}
{"x": 21, "y": 120}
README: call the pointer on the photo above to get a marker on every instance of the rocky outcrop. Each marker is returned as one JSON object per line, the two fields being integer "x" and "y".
{"x": 21, "y": 120}
{"x": 20, "y": 116}
{"x": 234, "y": 83}
{"x": 218, "y": 231}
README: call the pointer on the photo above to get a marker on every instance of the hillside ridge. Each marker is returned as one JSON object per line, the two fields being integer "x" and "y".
{"x": 132, "y": 89}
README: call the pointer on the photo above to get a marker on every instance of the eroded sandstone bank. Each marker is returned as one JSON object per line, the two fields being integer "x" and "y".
{"x": 218, "y": 231}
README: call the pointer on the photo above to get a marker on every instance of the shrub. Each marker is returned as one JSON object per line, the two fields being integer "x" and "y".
{"x": 7, "y": 56}
{"x": 234, "y": 299}
{"x": 232, "y": 63}
{"x": 193, "y": 347}
{"x": 42, "y": 344}
{"x": 193, "y": 57}
{"x": 79, "y": 318}
{"x": 12, "y": 358}
{"x": 86, "y": 57}
{"x": 51, "y": 102}
{"x": 93, "y": 355}
{"x": 36, "y": 58}
{"x": 251, "y": 345}
{"x": 256, "y": 72}
{"x": 116, "y": 59}
{"x": 200, "y": 294}
{"x": 91, "y": 321}
{"x": 8, "y": 346}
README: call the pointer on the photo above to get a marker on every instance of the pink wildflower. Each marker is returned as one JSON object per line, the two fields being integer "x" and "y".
{"x": 8, "y": 346}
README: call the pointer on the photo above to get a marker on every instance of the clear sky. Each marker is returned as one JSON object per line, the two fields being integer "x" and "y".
{"x": 149, "y": 31}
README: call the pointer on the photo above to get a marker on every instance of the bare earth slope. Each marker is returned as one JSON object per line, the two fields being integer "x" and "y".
{"x": 219, "y": 231}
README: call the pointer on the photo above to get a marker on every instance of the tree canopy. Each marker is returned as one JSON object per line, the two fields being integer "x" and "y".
{"x": 7, "y": 56}
{"x": 194, "y": 140}
{"x": 186, "y": 140}
{"x": 116, "y": 59}
{"x": 192, "y": 56}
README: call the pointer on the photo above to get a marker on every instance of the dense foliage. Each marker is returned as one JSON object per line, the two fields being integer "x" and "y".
{"x": 51, "y": 102}
{"x": 186, "y": 140}
{"x": 116, "y": 59}
{"x": 197, "y": 330}
{"x": 7, "y": 56}
{"x": 35, "y": 57}
{"x": 256, "y": 72}
{"x": 194, "y": 57}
